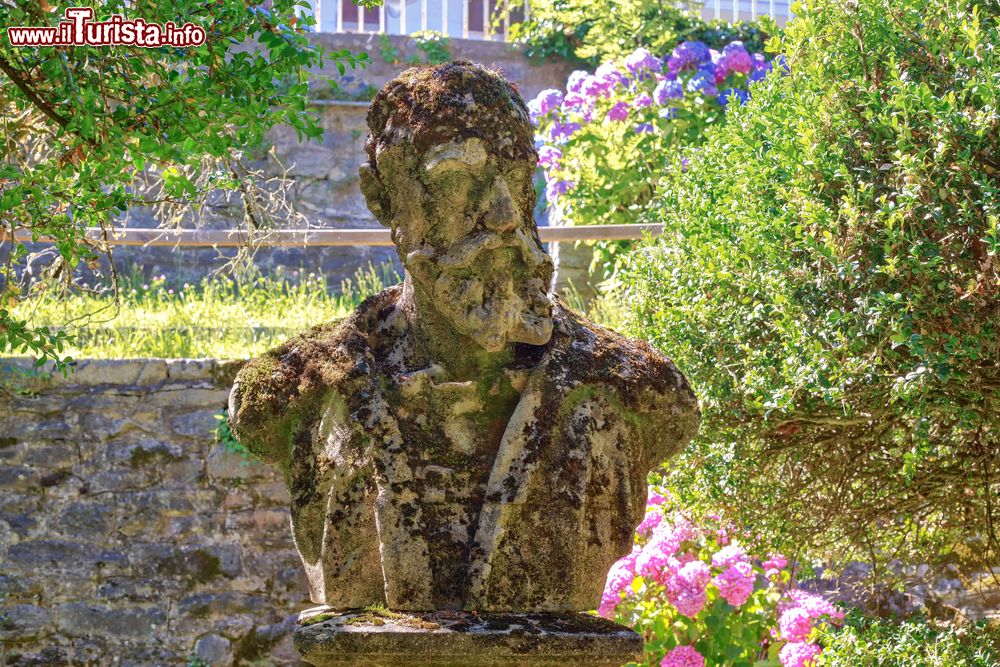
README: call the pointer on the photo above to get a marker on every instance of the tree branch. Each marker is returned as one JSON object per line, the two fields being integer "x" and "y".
{"x": 25, "y": 88}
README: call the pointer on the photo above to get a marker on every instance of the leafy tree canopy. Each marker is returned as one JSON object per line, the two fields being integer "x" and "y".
{"x": 78, "y": 124}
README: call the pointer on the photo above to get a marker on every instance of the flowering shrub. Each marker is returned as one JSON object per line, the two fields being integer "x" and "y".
{"x": 607, "y": 139}
{"x": 596, "y": 31}
{"x": 828, "y": 283}
{"x": 699, "y": 598}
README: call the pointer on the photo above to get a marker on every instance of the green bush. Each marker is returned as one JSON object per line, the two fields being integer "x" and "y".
{"x": 865, "y": 642}
{"x": 590, "y": 33}
{"x": 828, "y": 281}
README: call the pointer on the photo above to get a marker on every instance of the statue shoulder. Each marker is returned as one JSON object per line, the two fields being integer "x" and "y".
{"x": 650, "y": 386}
{"x": 279, "y": 393}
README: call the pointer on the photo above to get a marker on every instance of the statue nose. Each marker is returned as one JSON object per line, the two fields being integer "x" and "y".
{"x": 501, "y": 213}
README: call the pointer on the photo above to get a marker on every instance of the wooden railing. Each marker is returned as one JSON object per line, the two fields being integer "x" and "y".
{"x": 219, "y": 238}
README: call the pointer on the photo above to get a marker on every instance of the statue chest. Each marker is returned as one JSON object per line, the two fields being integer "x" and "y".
{"x": 451, "y": 432}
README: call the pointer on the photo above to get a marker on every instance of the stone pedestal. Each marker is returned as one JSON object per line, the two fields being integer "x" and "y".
{"x": 379, "y": 638}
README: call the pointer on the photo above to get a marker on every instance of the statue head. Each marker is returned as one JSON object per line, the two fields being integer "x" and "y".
{"x": 451, "y": 158}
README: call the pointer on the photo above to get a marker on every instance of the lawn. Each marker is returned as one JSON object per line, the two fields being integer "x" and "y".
{"x": 218, "y": 317}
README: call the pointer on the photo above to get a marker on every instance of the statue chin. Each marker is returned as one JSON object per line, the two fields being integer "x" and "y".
{"x": 493, "y": 333}
{"x": 495, "y": 317}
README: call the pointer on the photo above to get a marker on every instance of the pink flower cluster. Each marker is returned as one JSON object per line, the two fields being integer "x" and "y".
{"x": 619, "y": 579}
{"x": 686, "y": 588}
{"x": 735, "y": 583}
{"x": 774, "y": 565}
{"x": 683, "y": 656}
{"x": 729, "y": 555}
{"x": 799, "y": 654}
{"x": 797, "y": 617}
{"x": 674, "y": 567}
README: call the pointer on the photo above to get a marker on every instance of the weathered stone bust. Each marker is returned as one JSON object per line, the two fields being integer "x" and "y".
{"x": 461, "y": 441}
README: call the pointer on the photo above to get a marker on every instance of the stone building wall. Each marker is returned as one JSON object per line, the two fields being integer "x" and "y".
{"x": 127, "y": 535}
{"x": 324, "y": 173}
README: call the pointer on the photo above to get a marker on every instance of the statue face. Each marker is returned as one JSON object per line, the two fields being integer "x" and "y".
{"x": 462, "y": 219}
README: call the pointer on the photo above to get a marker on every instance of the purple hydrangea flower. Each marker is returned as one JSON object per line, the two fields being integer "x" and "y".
{"x": 574, "y": 101}
{"x": 610, "y": 76}
{"x": 666, "y": 91}
{"x": 644, "y": 127}
{"x": 544, "y": 103}
{"x": 781, "y": 62}
{"x": 668, "y": 112}
{"x": 618, "y": 112}
{"x": 642, "y": 60}
{"x": 563, "y": 130}
{"x": 592, "y": 87}
{"x": 555, "y": 189}
{"x": 689, "y": 55}
{"x": 737, "y": 58}
{"x": 721, "y": 69}
{"x": 703, "y": 81}
{"x": 642, "y": 100}
{"x": 575, "y": 81}
{"x": 737, "y": 93}
{"x": 549, "y": 156}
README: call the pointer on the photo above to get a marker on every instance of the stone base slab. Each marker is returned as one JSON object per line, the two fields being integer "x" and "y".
{"x": 380, "y": 638}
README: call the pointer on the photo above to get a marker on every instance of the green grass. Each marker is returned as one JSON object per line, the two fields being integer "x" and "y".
{"x": 867, "y": 642}
{"x": 217, "y": 318}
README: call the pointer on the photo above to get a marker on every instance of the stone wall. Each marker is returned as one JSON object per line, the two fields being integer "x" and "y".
{"x": 127, "y": 535}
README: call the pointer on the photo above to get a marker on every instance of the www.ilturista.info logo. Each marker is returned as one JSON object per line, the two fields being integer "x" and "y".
{"x": 80, "y": 29}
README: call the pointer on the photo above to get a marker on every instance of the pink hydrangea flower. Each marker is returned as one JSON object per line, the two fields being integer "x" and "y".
{"x": 729, "y": 555}
{"x": 575, "y": 101}
{"x": 721, "y": 70}
{"x": 575, "y": 81}
{"x": 799, "y": 654}
{"x": 592, "y": 87}
{"x": 618, "y": 582}
{"x": 654, "y": 498}
{"x": 735, "y": 583}
{"x": 737, "y": 58}
{"x": 795, "y": 624}
{"x": 813, "y": 605}
{"x": 652, "y": 519}
{"x": 656, "y": 566}
{"x": 667, "y": 537}
{"x": 683, "y": 656}
{"x": 686, "y": 588}
{"x": 776, "y": 562}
